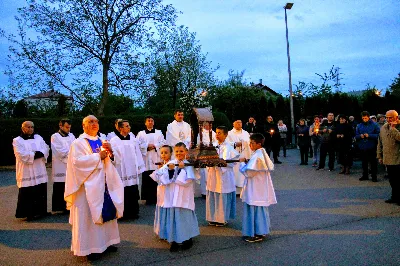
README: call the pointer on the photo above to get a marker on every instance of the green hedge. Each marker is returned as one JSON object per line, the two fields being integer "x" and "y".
{"x": 11, "y": 128}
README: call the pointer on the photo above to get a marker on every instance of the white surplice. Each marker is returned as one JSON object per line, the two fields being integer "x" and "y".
{"x": 177, "y": 192}
{"x": 84, "y": 194}
{"x": 153, "y": 156}
{"x": 30, "y": 171}
{"x": 179, "y": 132}
{"x": 128, "y": 159}
{"x": 244, "y": 137}
{"x": 258, "y": 189}
{"x": 60, "y": 148}
{"x": 204, "y": 171}
{"x": 222, "y": 179}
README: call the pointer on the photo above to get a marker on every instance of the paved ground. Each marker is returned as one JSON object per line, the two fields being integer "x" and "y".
{"x": 322, "y": 218}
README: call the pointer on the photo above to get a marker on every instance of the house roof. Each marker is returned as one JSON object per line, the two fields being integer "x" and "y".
{"x": 49, "y": 94}
{"x": 265, "y": 87}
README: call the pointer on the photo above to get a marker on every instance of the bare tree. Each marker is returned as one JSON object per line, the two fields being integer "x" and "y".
{"x": 69, "y": 43}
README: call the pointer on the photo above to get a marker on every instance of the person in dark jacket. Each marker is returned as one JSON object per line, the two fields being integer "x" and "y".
{"x": 251, "y": 126}
{"x": 344, "y": 138}
{"x": 327, "y": 143}
{"x": 272, "y": 139}
{"x": 303, "y": 140}
{"x": 367, "y": 133}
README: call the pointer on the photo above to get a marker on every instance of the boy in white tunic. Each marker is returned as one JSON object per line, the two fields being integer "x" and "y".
{"x": 130, "y": 166}
{"x": 31, "y": 154}
{"x": 240, "y": 139}
{"x": 258, "y": 191}
{"x": 94, "y": 193}
{"x": 60, "y": 145}
{"x": 150, "y": 142}
{"x": 206, "y": 141}
{"x": 178, "y": 131}
{"x": 177, "y": 221}
{"x": 221, "y": 190}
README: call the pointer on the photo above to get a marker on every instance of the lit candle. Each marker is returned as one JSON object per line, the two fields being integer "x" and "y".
{"x": 272, "y": 131}
{"x": 316, "y": 130}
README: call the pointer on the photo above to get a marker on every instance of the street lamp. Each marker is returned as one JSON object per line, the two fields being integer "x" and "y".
{"x": 289, "y": 6}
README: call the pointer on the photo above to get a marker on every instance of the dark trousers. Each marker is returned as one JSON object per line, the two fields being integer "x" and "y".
{"x": 283, "y": 145}
{"x": 131, "y": 204}
{"x": 149, "y": 188}
{"x": 304, "y": 154}
{"x": 275, "y": 151}
{"x": 32, "y": 201}
{"x": 345, "y": 157}
{"x": 369, "y": 156}
{"x": 394, "y": 180}
{"x": 57, "y": 200}
{"x": 327, "y": 148}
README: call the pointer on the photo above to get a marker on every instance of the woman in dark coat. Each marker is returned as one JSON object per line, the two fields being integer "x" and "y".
{"x": 303, "y": 141}
{"x": 344, "y": 139}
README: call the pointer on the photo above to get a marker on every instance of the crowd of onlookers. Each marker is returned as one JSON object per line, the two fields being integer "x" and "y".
{"x": 376, "y": 138}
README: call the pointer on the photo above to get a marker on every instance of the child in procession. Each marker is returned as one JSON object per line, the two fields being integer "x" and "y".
{"x": 258, "y": 191}
{"x": 221, "y": 189}
{"x": 175, "y": 219}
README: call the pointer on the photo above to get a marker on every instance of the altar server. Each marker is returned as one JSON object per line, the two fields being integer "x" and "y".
{"x": 31, "y": 154}
{"x": 178, "y": 131}
{"x": 240, "y": 139}
{"x": 94, "y": 193}
{"x": 221, "y": 190}
{"x": 150, "y": 142}
{"x": 176, "y": 220}
{"x": 60, "y": 145}
{"x": 258, "y": 191}
{"x": 116, "y": 130}
{"x": 206, "y": 141}
{"x": 130, "y": 166}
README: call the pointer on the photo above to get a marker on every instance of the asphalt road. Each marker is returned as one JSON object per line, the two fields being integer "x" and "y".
{"x": 322, "y": 218}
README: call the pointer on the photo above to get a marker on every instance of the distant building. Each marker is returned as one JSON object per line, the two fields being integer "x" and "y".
{"x": 47, "y": 99}
{"x": 267, "y": 90}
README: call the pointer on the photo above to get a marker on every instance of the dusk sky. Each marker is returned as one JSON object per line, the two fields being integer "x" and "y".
{"x": 360, "y": 37}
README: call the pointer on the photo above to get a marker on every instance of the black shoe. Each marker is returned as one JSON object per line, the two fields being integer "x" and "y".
{"x": 301, "y": 164}
{"x": 306, "y": 163}
{"x": 391, "y": 201}
{"x": 93, "y": 256}
{"x": 212, "y": 223}
{"x": 363, "y": 178}
{"x": 277, "y": 162}
{"x": 252, "y": 239}
{"x": 187, "y": 244}
{"x": 174, "y": 247}
{"x": 221, "y": 224}
{"x": 331, "y": 170}
{"x": 374, "y": 179}
{"x": 319, "y": 168}
{"x": 112, "y": 249}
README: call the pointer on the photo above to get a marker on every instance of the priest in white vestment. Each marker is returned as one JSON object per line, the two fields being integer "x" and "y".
{"x": 221, "y": 189}
{"x": 258, "y": 191}
{"x": 31, "y": 154}
{"x": 130, "y": 166}
{"x": 94, "y": 193}
{"x": 150, "y": 142}
{"x": 60, "y": 145}
{"x": 179, "y": 131}
{"x": 206, "y": 141}
{"x": 240, "y": 139}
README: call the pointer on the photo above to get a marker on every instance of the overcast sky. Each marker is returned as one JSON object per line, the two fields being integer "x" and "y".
{"x": 361, "y": 37}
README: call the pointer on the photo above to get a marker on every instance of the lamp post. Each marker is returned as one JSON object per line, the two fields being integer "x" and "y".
{"x": 289, "y": 6}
